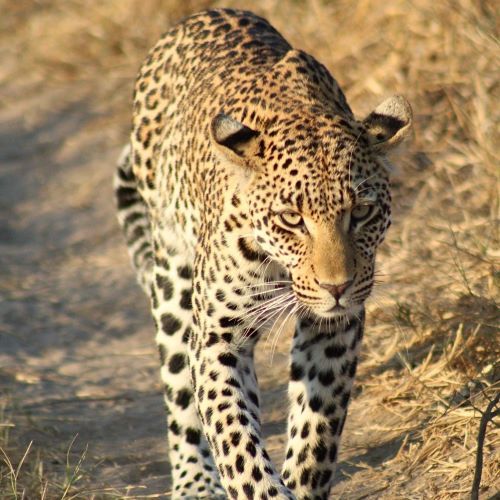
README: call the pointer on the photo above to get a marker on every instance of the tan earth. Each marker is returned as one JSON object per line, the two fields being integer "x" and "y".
{"x": 78, "y": 365}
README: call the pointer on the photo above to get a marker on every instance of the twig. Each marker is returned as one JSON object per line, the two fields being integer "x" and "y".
{"x": 488, "y": 415}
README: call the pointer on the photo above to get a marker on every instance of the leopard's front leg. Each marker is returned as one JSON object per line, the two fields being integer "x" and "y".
{"x": 224, "y": 381}
{"x": 321, "y": 376}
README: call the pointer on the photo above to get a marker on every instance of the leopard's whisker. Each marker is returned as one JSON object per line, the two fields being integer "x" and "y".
{"x": 356, "y": 188}
{"x": 267, "y": 313}
{"x": 262, "y": 314}
{"x": 269, "y": 302}
{"x": 265, "y": 308}
{"x": 266, "y": 283}
{"x": 283, "y": 310}
{"x": 267, "y": 262}
{"x": 266, "y": 318}
{"x": 266, "y": 292}
{"x": 275, "y": 339}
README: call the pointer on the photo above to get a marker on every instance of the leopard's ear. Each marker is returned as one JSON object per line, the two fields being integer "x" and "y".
{"x": 235, "y": 140}
{"x": 389, "y": 123}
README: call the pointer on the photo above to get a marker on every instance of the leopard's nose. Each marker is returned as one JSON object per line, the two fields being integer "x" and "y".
{"x": 336, "y": 290}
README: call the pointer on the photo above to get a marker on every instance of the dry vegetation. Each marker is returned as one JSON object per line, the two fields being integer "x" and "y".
{"x": 431, "y": 356}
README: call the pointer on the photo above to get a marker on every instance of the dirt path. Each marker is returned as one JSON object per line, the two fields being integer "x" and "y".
{"x": 77, "y": 359}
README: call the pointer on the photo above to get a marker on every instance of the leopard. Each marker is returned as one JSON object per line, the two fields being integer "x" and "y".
{"x": 251, "y": 198}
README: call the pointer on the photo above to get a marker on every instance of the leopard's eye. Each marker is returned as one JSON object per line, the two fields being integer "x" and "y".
{"x": 361, "y": 212}
{"x": 291, "y": 219}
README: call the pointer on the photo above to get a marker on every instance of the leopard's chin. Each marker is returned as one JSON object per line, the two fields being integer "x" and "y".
{"x": 339, "y": 314}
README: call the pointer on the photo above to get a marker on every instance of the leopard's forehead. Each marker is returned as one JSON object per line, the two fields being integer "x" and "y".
{"x": 318, "y": 163}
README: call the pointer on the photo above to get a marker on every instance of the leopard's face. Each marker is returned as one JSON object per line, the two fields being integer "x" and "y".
{"x": 320, "y": 209}
{"x": 317, "y": 191}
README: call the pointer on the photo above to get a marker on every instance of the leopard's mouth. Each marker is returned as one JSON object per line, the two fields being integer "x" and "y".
{"x": 337, "y": 308}
{"x": 337, "y": 312}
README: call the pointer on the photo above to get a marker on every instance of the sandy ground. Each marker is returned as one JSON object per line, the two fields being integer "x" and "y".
{"x": 77, "y": 357}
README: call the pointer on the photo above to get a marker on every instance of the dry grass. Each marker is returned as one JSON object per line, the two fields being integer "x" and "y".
{"x": 431, "y": 360}
{"x": 30, "y": 472}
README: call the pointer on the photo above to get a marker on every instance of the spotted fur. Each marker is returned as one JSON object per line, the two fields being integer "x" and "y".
{"x": 250, "y": 195}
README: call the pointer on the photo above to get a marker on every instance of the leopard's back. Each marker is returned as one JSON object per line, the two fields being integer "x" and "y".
{"x": 205, "y": 64}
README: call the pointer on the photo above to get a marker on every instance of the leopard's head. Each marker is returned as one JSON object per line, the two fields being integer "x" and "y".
{"x": 318, "y": 195}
